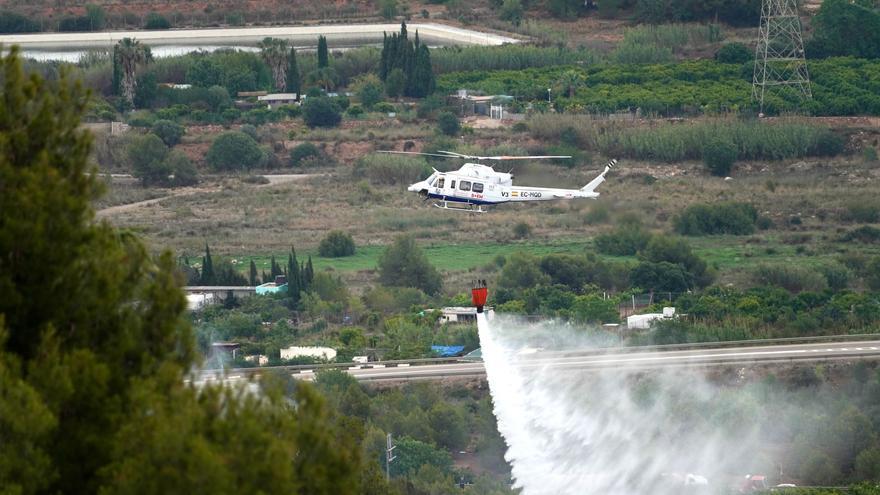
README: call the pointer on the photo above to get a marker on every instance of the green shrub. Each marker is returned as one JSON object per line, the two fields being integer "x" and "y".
{"x": 74, "y": 24}
{"x": 862, "y": 211}
{"x": 625, "y": 241}
{"x": 677, "y": 251}
{"x": 392, "y": 169}
{"x": 827, "y": 143}
{"x": 10, "y": 23}
{"x": 183, "y": 172}
{"x": 866, "y": 234}
{"x": 448, "y": 124}
{"x": 719, "y": 156}
{"x": 234, "y": 151}
{"x": 146, "y": 154}
{"x": 662, "y": 276}
{"x": 403, "y": 264}
{"x": 869, "y": 154}
{"x": 250, "y": 130}
{"x": 734, "y": 53}
{"x": 384, "y": 107}
{"x": 355, "y": 111}
{"x": 170, "y": 132}
{"x": 790, "y": 277}
{"x": 718, "y": 218}
{"x": 156, "y": 21}
{"x": 303, "y": 152}
{"x": 336, "y": 244}
{"x": 522, "y": 230}
{"x": 321, "y": 112}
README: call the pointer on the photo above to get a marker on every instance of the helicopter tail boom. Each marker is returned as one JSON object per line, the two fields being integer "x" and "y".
{"x": 600, "y": 179}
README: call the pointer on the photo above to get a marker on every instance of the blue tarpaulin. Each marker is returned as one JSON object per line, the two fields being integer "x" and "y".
{"x": 447, "y": 350}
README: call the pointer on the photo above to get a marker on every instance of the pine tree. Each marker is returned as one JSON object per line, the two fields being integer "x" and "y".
{"x": 323, "y": 55}
{"x": 208, "y": 277}
{"x": 253, "y": 277}
{"x": 294, "y": 79}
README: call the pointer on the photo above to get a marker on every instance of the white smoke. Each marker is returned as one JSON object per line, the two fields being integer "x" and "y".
{"x": 620, "y": 431}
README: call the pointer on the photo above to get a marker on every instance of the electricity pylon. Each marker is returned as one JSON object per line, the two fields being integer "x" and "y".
{"x": 779, "y": 56}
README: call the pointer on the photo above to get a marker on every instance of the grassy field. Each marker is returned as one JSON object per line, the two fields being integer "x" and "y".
{"x": 804, "y": 198}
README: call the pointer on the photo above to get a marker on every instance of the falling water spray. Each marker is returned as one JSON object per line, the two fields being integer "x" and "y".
{"x": 612, "y": 431}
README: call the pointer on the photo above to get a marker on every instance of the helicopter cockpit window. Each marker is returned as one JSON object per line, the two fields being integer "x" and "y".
{"x": 465, "y": 185}
{"x": 478, "y": 187}
{"x": 440, "y": 182}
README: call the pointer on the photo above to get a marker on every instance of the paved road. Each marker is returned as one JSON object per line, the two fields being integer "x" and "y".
{"x": 635, "y": 359}
{"x": 336, "y": 34}
{"x": 629, "y": 358}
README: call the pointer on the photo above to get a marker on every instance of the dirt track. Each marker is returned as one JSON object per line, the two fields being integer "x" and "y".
{"x": 187, "y": 191}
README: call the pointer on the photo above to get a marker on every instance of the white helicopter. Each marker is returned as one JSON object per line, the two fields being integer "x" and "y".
{"x": 475, "y": 185}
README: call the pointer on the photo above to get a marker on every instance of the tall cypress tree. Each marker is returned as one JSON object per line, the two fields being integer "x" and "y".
{"x": 323, "y": 55}
{"x": 208, "y": 277}
{"x": 253, "y": 274}
{"x": 294, "y": 280}
{"x": 293, "y": 77}
{"x": 422, "y": 80}
{"x": 117, "y": 71}
{"x": 274, "y": 269}
{"x": 309, "y": 274}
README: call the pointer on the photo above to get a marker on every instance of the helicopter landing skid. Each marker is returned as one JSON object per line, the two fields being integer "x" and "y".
{"x": 465, "y": 207}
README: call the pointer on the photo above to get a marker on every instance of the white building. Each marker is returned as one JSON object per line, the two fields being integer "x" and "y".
{"x": 325, "y": 353}
{"x": 458, "y": 314}
{"x": 643, "y": 322}
{"x": 276, "y": 100}
{"x": 195, "y": 302}
{"x": 260, "y": 359}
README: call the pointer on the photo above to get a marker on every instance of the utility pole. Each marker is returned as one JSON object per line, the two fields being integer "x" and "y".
{"x": 389, "y": 456}
{"x": 779, "y": 56}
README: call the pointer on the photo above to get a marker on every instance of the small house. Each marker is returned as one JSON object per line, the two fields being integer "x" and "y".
{"x": 325, "y": 353}
{"x": 458, "y": 314}
{"x": 276, "y": 100}
{"x": 644, "y": 321}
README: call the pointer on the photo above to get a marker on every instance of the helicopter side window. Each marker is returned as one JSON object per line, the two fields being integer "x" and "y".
{"x": 465, "y": 185}
{"x": 477, "y": 187}
{"x": 440, "y": 182}
{"x": 452, "y": 185}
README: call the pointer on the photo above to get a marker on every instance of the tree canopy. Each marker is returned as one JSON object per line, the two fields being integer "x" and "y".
{"x": 94, "y": 346}
{"x": 403, "y": 264}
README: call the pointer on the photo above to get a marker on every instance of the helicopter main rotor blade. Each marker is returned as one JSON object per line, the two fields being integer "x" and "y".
{"x": 452, "y": 154}
{"x": 413, "y": 153}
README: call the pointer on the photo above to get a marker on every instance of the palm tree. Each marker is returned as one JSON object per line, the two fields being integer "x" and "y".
{"x": 130, "y": 54}
{"x": 325, "y": 78}
{"x": 570, "y": 81}
{"x": 274, "y": 52}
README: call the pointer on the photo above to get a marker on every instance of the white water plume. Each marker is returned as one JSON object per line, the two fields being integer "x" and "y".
{"x": 620, "y": 431}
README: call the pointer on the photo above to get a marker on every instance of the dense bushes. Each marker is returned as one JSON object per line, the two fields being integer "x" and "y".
{"x": 789, "y": 277}
{"x": 234, "y": 151}
{"x": 750, "y": 140}
{"x": 153, "y": 164}
{"x": 170, "y": 132}
{"x": 733, "y": 53}
{"x": 156, "y": 21}
{"x": 392, "y": 169}
{"x": 719, "y": 218}
{"x": 10, "y": 22}
{"x": 505, "y": 57}
{"x": 718, "y": 156}
{"x": 303, "y": 153}
{"x": 448, "y": 124}
{"x": 403, "y": 264}
{"x": 841, "y": 86}
{"x": 336, "y": 244}
{"x": 625, "y": 241}
{"x": 321, "y": 112}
